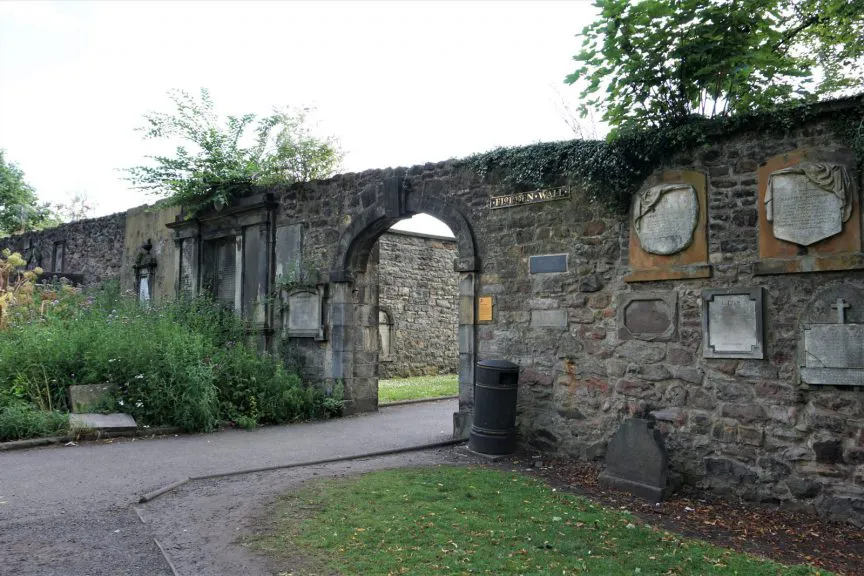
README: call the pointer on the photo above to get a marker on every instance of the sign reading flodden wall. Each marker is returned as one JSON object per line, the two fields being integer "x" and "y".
{"x": 533, "y": 197}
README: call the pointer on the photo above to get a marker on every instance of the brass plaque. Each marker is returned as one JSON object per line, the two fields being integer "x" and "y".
{"x": 484, "y": 309}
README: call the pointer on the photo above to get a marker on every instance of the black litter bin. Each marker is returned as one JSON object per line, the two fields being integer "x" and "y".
{"x": 494, "y": 428}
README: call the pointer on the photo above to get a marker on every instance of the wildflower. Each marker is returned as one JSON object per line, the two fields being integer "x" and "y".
{"x": 139, "y": 404}
{"x": 139, "y": 377}
{"x": 120, "y": 402}
{"x": 111, "y": 360}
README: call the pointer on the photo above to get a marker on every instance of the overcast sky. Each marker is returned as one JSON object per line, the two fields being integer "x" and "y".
{"x": 399, "y": 83}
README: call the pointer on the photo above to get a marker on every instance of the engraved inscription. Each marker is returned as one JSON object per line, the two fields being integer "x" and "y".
{"x": 665, "y": 218}
{"x": 732, "y": 323}
{"x": 834, "y": 346}
{"x": 808, "y": 203}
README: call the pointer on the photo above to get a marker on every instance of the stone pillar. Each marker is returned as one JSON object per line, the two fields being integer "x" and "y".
{"x": 467, "y": 354}
{"x": 340, "y": 364}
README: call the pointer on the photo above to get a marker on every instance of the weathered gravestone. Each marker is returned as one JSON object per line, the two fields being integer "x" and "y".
{"x": 86, "y": 398}
{"x": 665, "y": 217}
{"x": 809, "y": 202}
{"x": 102, "y": 422}
{"x": 832, "y": 338}
{"x": 732, "y": 324}
{"x": 636, "y": 461}
{"x": 651, "y": 316}
{"x": 89, "y": 397}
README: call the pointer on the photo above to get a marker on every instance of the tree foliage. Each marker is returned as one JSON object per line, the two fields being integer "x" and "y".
{"x": 224, "y": 159}
{"x": 20, "y": 209}
{"x": 652, "y": 63}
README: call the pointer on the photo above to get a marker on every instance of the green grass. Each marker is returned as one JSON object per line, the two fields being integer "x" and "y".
{"x": 417, "y": 388}
{"x": 450, "y": 520}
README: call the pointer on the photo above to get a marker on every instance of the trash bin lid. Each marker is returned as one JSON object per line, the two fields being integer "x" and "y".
{"x": 497, "y": 365}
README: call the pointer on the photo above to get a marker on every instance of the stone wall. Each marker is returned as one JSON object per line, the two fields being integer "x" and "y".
{"x": 89, "y": 250}
{"x": 417, "y": 291}
{"x": 148, "y": 223}
{"x": 748, "y": 427}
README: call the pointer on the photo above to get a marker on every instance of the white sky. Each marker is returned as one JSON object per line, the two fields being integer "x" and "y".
{"x": 399, "y": 83}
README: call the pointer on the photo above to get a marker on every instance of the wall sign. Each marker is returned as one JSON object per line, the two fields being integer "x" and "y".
{"x": 533, "y": 197}
{"x": 484, "y": 309}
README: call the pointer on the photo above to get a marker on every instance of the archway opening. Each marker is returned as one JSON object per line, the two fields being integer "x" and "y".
{"x": 417, "y": 310}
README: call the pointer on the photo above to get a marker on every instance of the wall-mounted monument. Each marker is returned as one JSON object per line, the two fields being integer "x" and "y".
{"x": 668, "y": 239}
{"x": 732, "y": 325}
{"x": 808, "y": 213}
{"x": 650, "y": 316}
{"x": 303, "y": 315}
{"x": 831, "y": 344}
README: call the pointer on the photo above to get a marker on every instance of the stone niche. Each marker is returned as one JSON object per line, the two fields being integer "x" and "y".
{"x": 650, "y": 316}
{"x": 732, "y": 323}
{"x": 809, "y": 213}
{"x": 668, "y": 230}
{"x": 831, "y": 339}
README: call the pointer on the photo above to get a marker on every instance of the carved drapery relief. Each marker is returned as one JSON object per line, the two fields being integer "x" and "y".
{"x": 809, "y": 202}
{"x": 665, "y": 217}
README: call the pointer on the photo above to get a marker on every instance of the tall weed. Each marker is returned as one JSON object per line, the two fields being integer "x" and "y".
{"x": 182, "y": 364}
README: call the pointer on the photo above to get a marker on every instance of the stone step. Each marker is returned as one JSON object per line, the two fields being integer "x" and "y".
{"x": 102, "y": 422}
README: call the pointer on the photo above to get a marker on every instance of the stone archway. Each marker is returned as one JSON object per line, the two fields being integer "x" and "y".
{"x": 353, "y": 296}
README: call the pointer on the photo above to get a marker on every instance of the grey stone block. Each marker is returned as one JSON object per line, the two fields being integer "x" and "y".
{"x": 102, "y": 422}
{"x": 87, "y": 397}
{"x": 549, "y": 319}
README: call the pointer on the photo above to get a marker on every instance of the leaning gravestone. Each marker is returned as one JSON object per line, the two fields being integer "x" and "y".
{"x": 636, "y": 461}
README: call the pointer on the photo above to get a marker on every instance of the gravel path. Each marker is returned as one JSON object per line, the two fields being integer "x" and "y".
{"x": 68, "y": 510}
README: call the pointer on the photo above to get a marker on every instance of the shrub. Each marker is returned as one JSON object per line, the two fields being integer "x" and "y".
{"x": 181, "y": 364}
{"x": 19, "y": 420}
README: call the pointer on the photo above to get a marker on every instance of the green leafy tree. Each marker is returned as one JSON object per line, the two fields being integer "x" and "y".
{"x": 651, "y": 63}
{"x": 20, "y": 209}
{"x": 224, "y": 160}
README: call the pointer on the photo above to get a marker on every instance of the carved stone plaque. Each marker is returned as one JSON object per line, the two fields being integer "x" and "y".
{"x": 665, "y": 218}
{"x": 809, "y": 202}
{"x": 303, "y": 318}
{"x": 650, "y": 316}
{"x": 833, "y": 347}
{"x": 732, "y": 323}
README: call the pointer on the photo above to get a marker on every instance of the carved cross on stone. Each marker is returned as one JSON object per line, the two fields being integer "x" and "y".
{"x": 841, "y": 306}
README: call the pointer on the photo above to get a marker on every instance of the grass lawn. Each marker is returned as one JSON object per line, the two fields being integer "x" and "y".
{"x": 450, "y": 520}
{"x": 417, "y": 388}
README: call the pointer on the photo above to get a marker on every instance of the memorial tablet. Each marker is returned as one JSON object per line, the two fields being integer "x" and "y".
{"x": 732, "y": 324}
{"x": 834, "y": 353}
{"x": 304, "y": 313}
{"x": 809, "y": 202}
{"x": 665, "y": 217}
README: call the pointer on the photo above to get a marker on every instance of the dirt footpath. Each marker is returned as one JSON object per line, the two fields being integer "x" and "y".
{"x": 199, "y": 524}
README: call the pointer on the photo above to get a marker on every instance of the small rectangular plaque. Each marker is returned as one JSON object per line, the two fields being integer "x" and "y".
{"x": 484, "y": 309}
{"x": 548, "y": 264}
{"x": 533, "y": 197}
{"x": 732, "y": 324}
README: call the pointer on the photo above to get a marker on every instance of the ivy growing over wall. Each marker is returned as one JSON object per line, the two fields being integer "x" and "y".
{"x": 611, "y": 171}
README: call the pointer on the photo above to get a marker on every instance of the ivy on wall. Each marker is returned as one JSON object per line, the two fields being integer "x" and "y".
{"x": 611, "y": 171}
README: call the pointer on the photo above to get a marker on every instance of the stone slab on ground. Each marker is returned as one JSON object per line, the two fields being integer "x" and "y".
{"x": 102, "y": 422}
{"x": 636, "y": 461}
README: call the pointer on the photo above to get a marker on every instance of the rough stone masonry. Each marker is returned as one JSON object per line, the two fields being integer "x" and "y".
{"x": 616, "y": 325}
